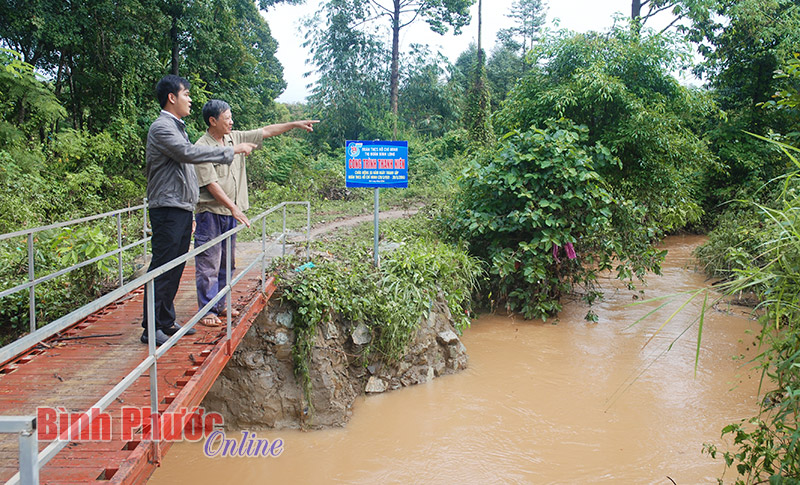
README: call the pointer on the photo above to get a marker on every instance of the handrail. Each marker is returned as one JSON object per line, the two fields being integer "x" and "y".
{"x": 33, "y": 281}
{"x": 72, "y": 222}
{"x": 64, "y": 271}
{"x": 150, "y": 363}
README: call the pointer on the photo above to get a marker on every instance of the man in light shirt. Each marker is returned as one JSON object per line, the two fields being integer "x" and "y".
{"x": 223, "y": 199}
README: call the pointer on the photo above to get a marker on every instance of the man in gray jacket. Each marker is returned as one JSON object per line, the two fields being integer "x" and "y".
{"x": 172, "y": 194}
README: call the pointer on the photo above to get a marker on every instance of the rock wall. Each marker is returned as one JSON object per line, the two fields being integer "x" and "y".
{"x": 258, "y": 388}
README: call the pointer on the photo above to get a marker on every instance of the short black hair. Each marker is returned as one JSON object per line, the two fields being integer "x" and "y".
{"x": 213, "y": 108}
{"x": 170, "y": 84}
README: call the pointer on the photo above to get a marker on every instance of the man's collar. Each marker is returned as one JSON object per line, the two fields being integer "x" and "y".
{"x": 225, "y": 137}
{"x": 165, "y": 112}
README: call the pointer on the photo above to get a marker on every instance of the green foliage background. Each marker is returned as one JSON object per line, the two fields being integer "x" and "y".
{"x": 582, "y": 138}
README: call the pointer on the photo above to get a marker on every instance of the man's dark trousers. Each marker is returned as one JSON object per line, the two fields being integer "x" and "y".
{"x": 172, "y": 233}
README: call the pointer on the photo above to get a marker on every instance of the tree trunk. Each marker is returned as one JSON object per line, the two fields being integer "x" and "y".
{"x": 75, "y": 99}
{"x": 636, "y": 9}
{"x": 395, "y": 75}
{"x": 480, "y": 52}
{"x": 59, "y": 72}
{"x": 478, "y": 102}
{"x": 20, "y": 116}
{"x": 173, "y": 37}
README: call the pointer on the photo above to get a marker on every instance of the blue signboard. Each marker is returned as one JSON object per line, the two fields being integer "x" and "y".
{"x": 376, "y": 164}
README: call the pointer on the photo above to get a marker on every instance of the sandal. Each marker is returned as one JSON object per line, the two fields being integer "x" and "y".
{"x": 234, "y": 312}
{"x": 211, "y": 320}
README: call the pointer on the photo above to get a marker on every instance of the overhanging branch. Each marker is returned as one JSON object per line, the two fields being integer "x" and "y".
{"x": 416, "y": 14}
{"x": 670, "y": 24}
{"x": 655, "y": 10}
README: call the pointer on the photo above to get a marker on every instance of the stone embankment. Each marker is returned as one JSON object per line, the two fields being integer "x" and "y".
{"x": 258, "y": 388}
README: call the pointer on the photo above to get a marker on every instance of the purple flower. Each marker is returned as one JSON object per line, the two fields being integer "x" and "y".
{"x": 570, "y": 250}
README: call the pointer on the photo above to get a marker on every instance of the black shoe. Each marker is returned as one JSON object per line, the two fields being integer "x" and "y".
{"x": 174, "y": 329}
{"x": 161, "y": 337}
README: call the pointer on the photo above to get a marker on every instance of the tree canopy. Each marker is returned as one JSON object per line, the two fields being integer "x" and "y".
{"x": 104, "y": 57}
{"x": 619, "y": 86}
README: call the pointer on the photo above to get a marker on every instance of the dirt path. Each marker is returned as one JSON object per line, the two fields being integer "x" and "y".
{"x": 246, "y": 251}
{"x": 335, "y": 225}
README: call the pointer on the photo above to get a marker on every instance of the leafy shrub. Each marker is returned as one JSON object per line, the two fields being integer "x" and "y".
{"x": 454, "y": 144}
{"x": 330, "y": 185}
{"x": 271, "y": 194}
{"x": 25, "y": 102}
{"x": 277, "y": 161}
{"x": 74, "y": 245}
{"x": 619, "y": 85}
{"x": 428, "y": 170}
{"x": 735, "y": 243}
{"x": 539, "y": 191}
{"x": 19, "y": 159}
{"x": 54, "y": 250}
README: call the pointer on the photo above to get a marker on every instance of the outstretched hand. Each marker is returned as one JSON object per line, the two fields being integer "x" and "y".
{"x": 245, "y": 148}
{"x": 307, "y": 125}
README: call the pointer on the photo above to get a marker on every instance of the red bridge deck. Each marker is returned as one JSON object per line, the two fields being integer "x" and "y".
{"x": 77, "y": 367}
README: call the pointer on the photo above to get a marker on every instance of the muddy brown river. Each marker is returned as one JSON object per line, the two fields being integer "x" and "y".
{"x": 562, "y": 401}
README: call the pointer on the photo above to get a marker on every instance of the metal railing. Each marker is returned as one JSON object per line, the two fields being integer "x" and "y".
{"x": 30, "y": 462}
{"x": 25, "y": 426}
{"x": 30, "y": 233}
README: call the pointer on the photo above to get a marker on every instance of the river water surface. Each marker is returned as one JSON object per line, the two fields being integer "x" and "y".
{"x": 564, "y": 401}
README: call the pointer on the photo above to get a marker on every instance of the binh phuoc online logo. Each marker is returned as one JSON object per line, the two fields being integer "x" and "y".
{"x": 134, "y": 423}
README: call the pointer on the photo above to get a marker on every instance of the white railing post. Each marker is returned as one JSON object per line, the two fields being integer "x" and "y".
{"x": 119, "y": 247}
{"x": 283, "y": 233}
{"x": 25, "y": 428}
{"x": 264, "y": 254}
{"x": 28, "y": 456}
{"x": 228, "y": 280}
{"x": 151, "y": 347}
{"x": 32, "y": 290}
{"x": 144, "y": 230}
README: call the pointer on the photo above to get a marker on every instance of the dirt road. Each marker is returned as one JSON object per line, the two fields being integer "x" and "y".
{"x": 246, "y": 251}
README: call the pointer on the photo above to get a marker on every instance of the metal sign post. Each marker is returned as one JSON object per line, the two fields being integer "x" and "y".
{"x": 376, "y": 164}
{"x": 375, "y": 245}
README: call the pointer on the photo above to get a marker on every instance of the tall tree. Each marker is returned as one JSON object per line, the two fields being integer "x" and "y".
{"x": 105, "y": 56}
{"x": 439, "y": 14}
{"x": 97, "y": 53}
{"x": 528, "y": 17}
{"x": 232, "y": 52}
{"x": 503, "y": 69}
{"x": 431, "y": 104}
{"x": 28, "y": 107}
{"x": 744, "y": 43}
{"x": 477, "y": 112}
{"x": 350, "y": 94}
{"x": 184, "y": 17}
